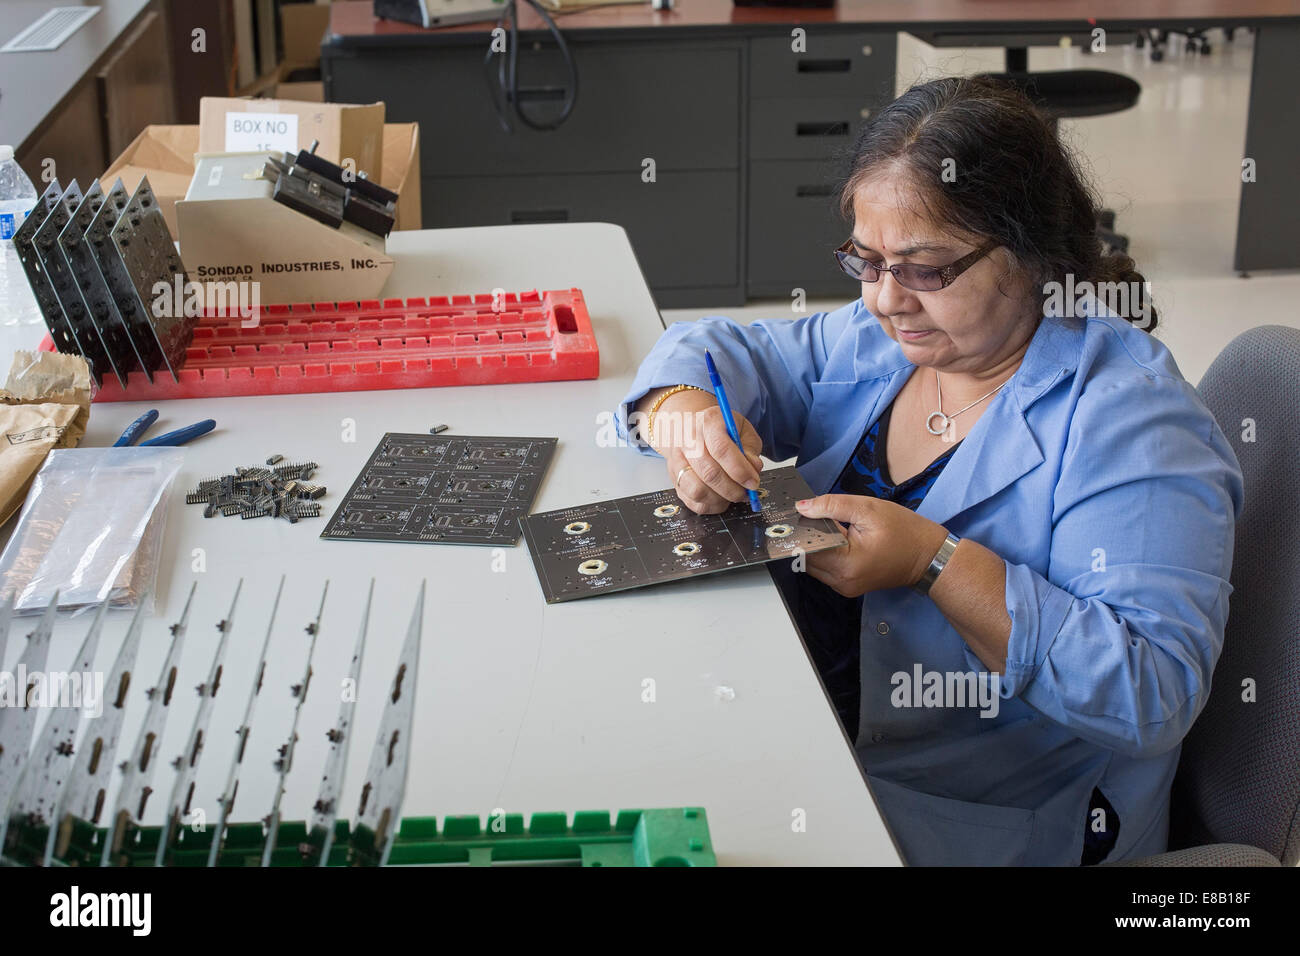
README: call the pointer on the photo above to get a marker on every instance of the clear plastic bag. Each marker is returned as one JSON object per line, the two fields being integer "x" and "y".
{"x": 90, "y": 529}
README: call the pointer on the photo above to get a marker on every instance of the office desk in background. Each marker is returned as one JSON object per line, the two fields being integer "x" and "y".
{"x": 741, "y": 128}
{"x": 520, "y": 706}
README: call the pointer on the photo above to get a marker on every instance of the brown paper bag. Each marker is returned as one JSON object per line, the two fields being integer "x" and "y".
{"x": 45, "y": 404}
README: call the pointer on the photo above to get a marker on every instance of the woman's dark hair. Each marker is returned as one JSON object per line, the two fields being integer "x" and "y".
{"x": 1009, "y": 179}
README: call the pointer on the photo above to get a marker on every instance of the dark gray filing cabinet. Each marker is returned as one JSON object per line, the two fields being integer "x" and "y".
{"x": 742, "y": 132}
{"x": 805, "y": 111}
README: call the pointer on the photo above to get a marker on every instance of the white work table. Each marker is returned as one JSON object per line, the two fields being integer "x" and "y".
{"x": 521, "y": 706}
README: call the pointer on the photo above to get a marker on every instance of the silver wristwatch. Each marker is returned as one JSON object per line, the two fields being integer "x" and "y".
{"x": 937, "y": 565}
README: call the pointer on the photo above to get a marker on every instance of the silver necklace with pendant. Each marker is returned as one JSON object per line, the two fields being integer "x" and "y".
{"x": 945, "y": 421}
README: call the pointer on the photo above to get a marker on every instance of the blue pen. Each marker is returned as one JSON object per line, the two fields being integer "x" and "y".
{"x": 730, "y": 420}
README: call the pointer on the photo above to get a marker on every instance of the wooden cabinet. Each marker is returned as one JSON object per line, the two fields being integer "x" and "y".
{"x": 118, "y": 74}
{"x": 135, "y": 85}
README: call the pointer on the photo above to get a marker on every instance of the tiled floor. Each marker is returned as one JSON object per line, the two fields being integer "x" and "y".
{"x": 1170, "y": 167}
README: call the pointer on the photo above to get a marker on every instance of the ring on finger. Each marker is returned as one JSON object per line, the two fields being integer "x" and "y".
{"x": 680, "y": 473}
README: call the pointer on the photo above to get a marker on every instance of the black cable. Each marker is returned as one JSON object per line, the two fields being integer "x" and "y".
{"x": 507, "y": 81}
{"x": 502, "y": 118}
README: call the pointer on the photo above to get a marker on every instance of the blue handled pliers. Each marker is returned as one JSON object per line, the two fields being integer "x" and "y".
{"x": 178, "y": 437}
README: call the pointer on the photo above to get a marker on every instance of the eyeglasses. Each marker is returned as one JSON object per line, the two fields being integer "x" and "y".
{"x": 909, "y": 275}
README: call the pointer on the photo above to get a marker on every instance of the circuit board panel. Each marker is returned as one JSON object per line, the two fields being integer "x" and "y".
{"x": 146, "y": 248}
{"x": 650, "y": 538}
{"x": 24, "y": 240}
{"x": 117, "y": 280}
{"x": 441, "y": 489}
{"x": 91, "y": 285}
{"x": 84, "y": 333}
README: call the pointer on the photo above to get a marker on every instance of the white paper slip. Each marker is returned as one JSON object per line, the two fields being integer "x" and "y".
{"x": 261, "y": 132}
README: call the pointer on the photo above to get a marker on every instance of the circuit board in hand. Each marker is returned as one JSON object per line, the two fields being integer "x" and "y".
{"x": 443, "y": 489}
{"x": 647, "y": 539}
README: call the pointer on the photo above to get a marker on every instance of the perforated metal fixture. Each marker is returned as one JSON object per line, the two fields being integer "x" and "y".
{"x": 231, "y": 790}
{"x": 83, "y": 798}
{"x": 95, "y": 264}
{"x": 138, "y": 769}
{"x": 320, "y": 834}
{"x": 284, "y": 761}
{"x": 85, "y": 334}
{"x": 24, "y": 243}
{"x": 385, "y": 784}
{"x": 146, "y": 249}
{"x": 40, "y": 787}
{"x": 118, "y": 282}
{"x": 379, "y": 835}
{"x": 187, "y": 763}
{"x": 90, "y": 285}
{"x": 18, "y": 724}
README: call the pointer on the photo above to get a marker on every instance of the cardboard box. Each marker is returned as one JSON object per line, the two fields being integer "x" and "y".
{"x": 166, "y": 155}
{"x": 345, "y": 131}
{"x": 402, "y": 171}
{"x": 231, "y": 230}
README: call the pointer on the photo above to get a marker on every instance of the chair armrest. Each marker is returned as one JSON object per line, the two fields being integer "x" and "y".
{"x": 1213, "y": 854}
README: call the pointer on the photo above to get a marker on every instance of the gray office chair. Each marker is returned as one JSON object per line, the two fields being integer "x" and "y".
{"x": 1236, "y": 797}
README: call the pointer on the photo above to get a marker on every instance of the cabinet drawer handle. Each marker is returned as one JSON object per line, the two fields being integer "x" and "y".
{"x": 538, "y": 215}
{"x": 821, "y": 129}
{"x": 540, "y": 94}
{"x": 820, "y": 189}
{"x": 822, "y": 66}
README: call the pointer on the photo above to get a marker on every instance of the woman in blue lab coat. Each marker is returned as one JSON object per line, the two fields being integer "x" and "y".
{"x": 1039, "y": 508}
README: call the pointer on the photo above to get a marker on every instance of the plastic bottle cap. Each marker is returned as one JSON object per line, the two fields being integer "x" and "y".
{"x": 6, "y": 153}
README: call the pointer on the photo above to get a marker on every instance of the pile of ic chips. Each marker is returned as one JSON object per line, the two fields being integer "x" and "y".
{"x": 273, "y": 491}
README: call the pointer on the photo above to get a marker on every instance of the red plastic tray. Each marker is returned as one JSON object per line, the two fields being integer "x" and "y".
{"x": 394, "y": 343}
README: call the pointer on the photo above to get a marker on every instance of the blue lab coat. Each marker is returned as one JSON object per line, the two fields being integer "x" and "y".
{"x": 1109, "y": 491}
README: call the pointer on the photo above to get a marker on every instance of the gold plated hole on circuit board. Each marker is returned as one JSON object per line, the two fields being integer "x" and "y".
{"x": 592, "y": 567}
{"x": 779, "y": 531}
{"x": 666, "y": 511}
{"x": 577, "y": 527}
{"x": 762, "y": 492}
{"x": 686, "y": 549}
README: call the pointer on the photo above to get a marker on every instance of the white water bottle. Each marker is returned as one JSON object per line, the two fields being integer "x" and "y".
{"x": 17, "y": 199}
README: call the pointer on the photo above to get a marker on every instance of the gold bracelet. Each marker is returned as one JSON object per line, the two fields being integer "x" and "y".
{"x": 650, "y": 415}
